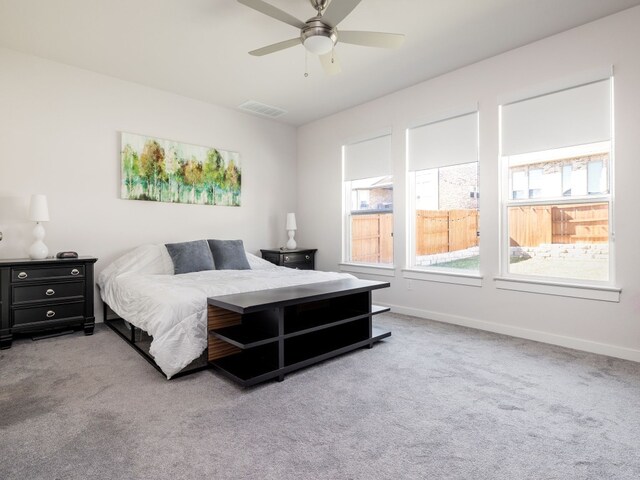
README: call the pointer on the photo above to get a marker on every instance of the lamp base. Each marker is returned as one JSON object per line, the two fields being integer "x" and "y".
{"x": 291, "y": 243}
{"x": 38, "y": 249}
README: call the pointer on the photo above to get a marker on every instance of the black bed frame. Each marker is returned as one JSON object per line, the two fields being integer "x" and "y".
{"x": 140, "y": 341}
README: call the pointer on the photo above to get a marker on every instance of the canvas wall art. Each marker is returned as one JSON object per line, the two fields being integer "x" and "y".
{"x": 168, "y": 171}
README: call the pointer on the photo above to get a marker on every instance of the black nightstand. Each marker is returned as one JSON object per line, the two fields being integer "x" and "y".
{"x": 300, "y": 258}
{"x": 45, "y": 294}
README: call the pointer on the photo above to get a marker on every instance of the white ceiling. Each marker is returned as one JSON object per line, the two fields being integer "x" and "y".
{"x": 198, "y": 48}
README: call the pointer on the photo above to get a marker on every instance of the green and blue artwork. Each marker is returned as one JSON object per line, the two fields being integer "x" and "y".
{"x": 167, "y": 171}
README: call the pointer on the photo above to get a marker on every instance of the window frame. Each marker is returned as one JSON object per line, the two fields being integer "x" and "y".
{"x": 413, "y": 271}
{"x": 592, "y": 289}
{"x": 346, "y": 264}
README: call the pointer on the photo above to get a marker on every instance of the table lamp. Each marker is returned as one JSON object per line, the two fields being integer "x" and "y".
{"x": 291, "y": 230}
{"x": 38, "y": 212}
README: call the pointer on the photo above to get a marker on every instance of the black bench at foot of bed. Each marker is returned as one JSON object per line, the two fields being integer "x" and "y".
{"x": 266, "y": 334}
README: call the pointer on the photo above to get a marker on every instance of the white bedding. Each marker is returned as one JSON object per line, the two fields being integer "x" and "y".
{"x": 141, "y": 288}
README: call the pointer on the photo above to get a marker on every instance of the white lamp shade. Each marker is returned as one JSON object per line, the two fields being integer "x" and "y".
{"x": 318, "y": 44}
{"x": 291, "y": 222}
{"x": 38, "y": 209}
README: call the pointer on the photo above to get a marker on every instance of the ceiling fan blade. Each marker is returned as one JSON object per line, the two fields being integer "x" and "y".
{"x": 273, "y": 12}
{"x": 371, "y": 39}
{"x": 330, "y": 67}
{"x": 276, "y": 47}
{"x": 337, "y": 11}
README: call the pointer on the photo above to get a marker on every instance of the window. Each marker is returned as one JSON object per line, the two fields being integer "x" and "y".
{"x": 368, "y": 202}
{"x": 443, "y": 186}
{"x": 556, "y": 157}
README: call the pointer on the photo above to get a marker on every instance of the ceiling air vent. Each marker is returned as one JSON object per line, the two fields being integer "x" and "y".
{"x": 262, "y": 109}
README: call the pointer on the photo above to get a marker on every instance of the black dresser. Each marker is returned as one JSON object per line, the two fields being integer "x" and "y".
{"x": 300, "y": 258}
{"x": 45, "y": 294}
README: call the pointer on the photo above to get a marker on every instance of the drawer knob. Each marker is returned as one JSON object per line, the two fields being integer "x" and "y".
{"x": 50, "y": 291}
{"x": 307, "y": 257}
{"x": 22, "y": 275}
{"x": 286, "y": 259}
{"x": 51, "y": 313}
{"x": 75, "y": 271}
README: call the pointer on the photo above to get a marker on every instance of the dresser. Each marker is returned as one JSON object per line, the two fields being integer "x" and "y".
{"x": 38, "y": 295}
{"x": 300, "y": 258}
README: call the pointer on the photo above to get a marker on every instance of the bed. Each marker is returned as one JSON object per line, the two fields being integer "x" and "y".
{"x": 141, "y": 288}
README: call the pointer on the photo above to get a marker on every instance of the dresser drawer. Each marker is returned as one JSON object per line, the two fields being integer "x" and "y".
{"x": 41, "y": 273}
{"x": 48, "y": 291}
{"x": 23, "y": 316}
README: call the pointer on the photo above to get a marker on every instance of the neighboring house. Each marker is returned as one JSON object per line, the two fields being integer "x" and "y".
{"x": 568, "y": 177}
{"x": 373, "y": 194}
{"x": 447, "y": 188}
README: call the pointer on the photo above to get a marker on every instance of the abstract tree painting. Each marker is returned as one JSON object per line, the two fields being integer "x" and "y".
{"x": 167, "y": 171}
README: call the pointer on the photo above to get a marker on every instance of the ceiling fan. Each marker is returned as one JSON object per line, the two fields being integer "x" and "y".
{"x": 320, "y": 34}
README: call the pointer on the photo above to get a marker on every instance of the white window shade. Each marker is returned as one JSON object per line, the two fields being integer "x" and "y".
{"x": 367, "y": 159}
{"x": 453, "y": 141}
{"x": 575, "y": 116}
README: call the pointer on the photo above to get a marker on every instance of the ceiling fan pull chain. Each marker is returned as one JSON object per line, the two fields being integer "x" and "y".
{"x": 306, "y": 64}
{"x": 333, "y": 51}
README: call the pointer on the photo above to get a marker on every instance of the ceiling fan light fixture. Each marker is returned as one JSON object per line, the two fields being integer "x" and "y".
{"x": 318, "y": 44}
{"x": 317, "y": 38}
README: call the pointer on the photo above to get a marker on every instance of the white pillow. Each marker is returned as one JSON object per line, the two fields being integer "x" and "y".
{"x": 146, "y": 259}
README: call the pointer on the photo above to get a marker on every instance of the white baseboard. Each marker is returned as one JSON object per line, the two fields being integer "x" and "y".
{"x": 536, "y": 335}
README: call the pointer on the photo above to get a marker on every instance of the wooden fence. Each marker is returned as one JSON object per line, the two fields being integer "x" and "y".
{"x": 531, "y": 225}
{"x": 441, "y": 231}
{"x": 372, "y": 238}
{"x": 437, "y": 231}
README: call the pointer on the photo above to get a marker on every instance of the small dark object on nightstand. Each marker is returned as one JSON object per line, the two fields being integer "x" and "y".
{"x": 66, "y": 255}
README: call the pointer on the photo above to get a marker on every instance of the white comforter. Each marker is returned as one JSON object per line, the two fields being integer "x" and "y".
{"x": 173, "y": 308}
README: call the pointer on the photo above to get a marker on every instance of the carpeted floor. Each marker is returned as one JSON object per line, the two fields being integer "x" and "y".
{"x": 434, "y": 401}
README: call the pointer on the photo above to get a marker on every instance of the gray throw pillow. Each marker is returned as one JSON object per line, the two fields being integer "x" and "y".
{"x": 229, "y": 255}
{"x": 190, "y": 256}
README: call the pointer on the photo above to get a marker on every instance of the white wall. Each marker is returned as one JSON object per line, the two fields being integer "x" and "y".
{"x": 59, "y": 135}
{"x": 612, "y": 328}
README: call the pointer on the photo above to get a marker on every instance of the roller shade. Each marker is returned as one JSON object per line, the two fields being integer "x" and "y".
{"x": 447, "y": 142}
{"x": 576, "y": 116}
{"x": 367, "y": 159}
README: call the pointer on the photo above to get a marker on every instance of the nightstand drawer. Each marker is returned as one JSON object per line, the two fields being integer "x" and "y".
{"x": 41, "y": 273}
{"x": 23, "y": 316}
{"x": 49, "y": 291}
{"x": 297, "y": 258}
{"x": 301, "y": 258}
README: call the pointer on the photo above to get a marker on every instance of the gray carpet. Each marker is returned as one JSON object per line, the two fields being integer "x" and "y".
{"x": 434, "y": 401}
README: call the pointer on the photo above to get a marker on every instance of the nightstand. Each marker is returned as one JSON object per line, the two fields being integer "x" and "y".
{"x": 45, "y": 294}
{"x": 300, "y": 258}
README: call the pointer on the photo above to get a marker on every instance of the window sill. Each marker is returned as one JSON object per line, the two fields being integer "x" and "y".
{"x": 590, "y": 292}
{"x": 369, "y": 269}
{"x": 467, "y": 279}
